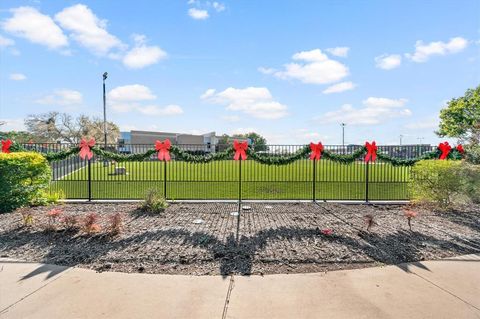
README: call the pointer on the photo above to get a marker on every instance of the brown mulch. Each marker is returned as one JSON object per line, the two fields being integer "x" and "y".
{"x": 272, "y": 238}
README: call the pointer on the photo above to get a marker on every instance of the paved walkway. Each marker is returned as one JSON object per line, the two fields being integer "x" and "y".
{"x": 447, "y": 288}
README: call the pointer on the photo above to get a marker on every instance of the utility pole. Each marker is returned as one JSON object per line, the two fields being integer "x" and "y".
{"x": 343, "y": 135}
{"x": 105, "y": 75}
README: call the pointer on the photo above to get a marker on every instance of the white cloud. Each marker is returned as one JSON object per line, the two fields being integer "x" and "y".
{"x": 339, "y": 51}
{"x": 231, "y": 118}
{"x": 17, "y": 77}
{"x": 428, "y": 123}
{"x": 317, "y": 68}
{"x": 266, "y": 70}
{"x": 87, "y": 29}
{"x": 12, "y": 125}
{"x": 388, "y": 62}
{"x": 131, "y": 93}
{"x": 375, "y": 111}
{"x": 424, "y": 51}
{"x": 29, "y": 23}
{"x": 6, "y": 42}
{"x": 158, "y": 110}
{"x": 339, "y": 87}
{"x": 384, "y": 102}
{"x": 243, "y": 130}
{"x": 219, "y": 7}
{"x": 62, "y": 97}
{"x": 142, "y": 55}
{"x": 132, "y": 97}
{"x": 254, "y": 101}
{"x": 198, "y": 14}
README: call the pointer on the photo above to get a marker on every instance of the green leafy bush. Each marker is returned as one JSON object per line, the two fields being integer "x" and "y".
{"x": 470, "y": 174}
{"x": 24, "y": 176}
{"x": 445, "y": 182}
{"x": 154, "y": 202}
{"x": 472, "y": 154}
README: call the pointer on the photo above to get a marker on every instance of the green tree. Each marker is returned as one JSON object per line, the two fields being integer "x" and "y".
{"x": 461, "y": 117}
{"x": 259, "y": 142}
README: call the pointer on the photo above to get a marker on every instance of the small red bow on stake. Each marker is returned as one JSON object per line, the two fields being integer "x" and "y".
{"x": 317, "y": 150}
{"x": 240, "y": 150}
{"x": 85, "y": 148}
{"x": 6, "y": 146}
{"x": 371, "y": 151}
{"x": 460, "y": 149}
{"x": 163, "y": 149}
{"x": 445, "y": 148}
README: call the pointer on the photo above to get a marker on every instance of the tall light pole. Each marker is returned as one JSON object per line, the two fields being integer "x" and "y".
{"x": 401, "y": 136}
{"x": 343, "y": 135}
{"x": 105, "y": 75}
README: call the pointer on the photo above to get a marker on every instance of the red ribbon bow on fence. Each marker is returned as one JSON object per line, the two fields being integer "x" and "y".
{"x": 371, "y": 151}
{"x": 445, "y": 148}
{"x": 460, "y": 149}
{"x": 240, "y": 150}
{"x": 6, "y": 146}
{"x": 317, "y": 150}
{"x": 163, "y": 149}
{"x": 85, "y": 148}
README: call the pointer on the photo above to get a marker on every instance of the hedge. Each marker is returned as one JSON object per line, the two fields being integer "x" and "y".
{"x": 24, "y": 177}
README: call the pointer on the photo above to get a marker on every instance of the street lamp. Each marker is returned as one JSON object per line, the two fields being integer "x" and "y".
{"x": 104, "y": 111}
{"x": 401, "y": 136}
{"x": 343, "y": 135}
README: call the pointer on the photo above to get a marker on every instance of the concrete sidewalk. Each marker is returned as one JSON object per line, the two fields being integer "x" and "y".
{"x": 448, "y": 288}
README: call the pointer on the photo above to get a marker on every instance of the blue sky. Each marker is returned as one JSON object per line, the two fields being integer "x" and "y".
{"x": 290, "y": 70}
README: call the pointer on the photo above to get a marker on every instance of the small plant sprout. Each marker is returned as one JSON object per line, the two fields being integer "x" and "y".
{"x": 327, "y": 231}
{"x": 409, "y": 214}
{"x": 53, "y": 216}
{"x": 27, "y": 219}
{"x": 90, "y": 225}
{"x": 369, "y": 221}
{"x": 116, "y": 224}
{"x": 70, "y": 222}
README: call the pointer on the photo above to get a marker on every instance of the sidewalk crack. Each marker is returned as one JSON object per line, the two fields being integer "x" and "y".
{"x": 227, "y": 299}
{"x": 445, "y": 290}
{"x": 5, "y": 310}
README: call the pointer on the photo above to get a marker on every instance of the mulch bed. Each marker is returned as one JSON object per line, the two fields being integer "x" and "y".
{"x": 272, "y": 238}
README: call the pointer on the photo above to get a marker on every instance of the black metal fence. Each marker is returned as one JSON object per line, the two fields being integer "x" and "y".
{"x": 304, "y": 179}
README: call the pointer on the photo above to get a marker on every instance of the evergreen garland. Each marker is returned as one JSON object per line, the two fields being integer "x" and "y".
{"x": 345, "y": 159}
{"x": 273, "y": 159}
{"x": 263, "y": 158}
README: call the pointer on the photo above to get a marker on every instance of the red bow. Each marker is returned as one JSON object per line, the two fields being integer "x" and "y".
{"x": 6, "y": 146}
{"x": 85, "y": 150}
{"x": 445, "y": 148}
{"x": 240, "y": 150}
{"x": 371, "y": 151}
{"x": 162, "y": 148}
{"x": 460, "y": 149}
{"x": 317, "y": 150}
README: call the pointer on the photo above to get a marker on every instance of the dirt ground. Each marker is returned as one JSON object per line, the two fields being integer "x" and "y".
{"x": 201, "y": 239}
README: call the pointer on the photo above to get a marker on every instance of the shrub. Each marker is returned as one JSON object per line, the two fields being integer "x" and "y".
{"x": 437, "y": 182}
{"x": 154, "y": 202}
{"x": 410, "y": 214}
{"x": 70, "y": 222}
{"x": 90, "y": 225}
{"x": 23, "y": 178}
{"x": 116, "y": 224}
{"x": 53, "y": 215}
{"x": 49, "y": 198}
{"x": 472, "y": 154}
{"x": 444, "y": 183}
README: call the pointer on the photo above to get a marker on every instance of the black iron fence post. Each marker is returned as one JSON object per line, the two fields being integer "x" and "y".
{"x": 314, "y": 180}
{"x": 89, "y": 184}
{"x": 239, "y": 196}
{"x": 165, "y": 179}
{"x": 366, "y": 181}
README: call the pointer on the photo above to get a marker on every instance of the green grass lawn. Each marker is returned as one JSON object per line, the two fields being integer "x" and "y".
{"x": 219, "y": 180}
